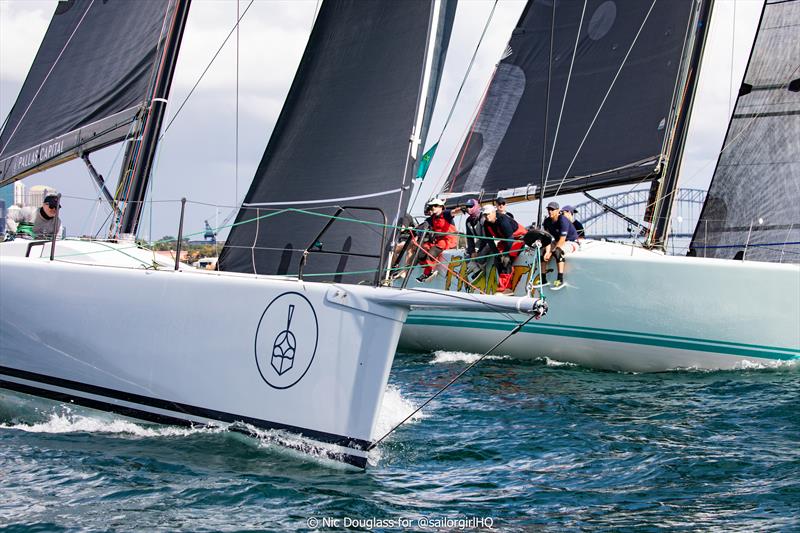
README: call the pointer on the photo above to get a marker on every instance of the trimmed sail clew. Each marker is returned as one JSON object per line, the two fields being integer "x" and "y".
{"x": 364, "y": 85}
{"x": 88, "y": 83}
{"x": 751, "y": 208}
{"x": 614, "y": 71}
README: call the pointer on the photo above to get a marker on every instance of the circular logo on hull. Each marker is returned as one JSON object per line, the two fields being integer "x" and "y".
{"x": 286, "y": 340}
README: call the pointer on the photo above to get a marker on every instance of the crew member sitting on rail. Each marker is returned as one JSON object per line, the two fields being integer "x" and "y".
{"x": 502, "y": 226}
{"x": 569, "y": 212}
{"x": 443, "y": 229}
{"x": 564, "y": 241}
{"x": 473, "y": 227}
{"x": 38, "y": 222}
{"x": 500, "y": 204}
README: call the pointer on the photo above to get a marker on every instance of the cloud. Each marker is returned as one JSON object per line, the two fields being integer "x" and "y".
{"x": 18, "y": 23}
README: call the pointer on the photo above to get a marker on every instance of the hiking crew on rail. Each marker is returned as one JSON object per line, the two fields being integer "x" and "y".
{"x": 493, "y": 235}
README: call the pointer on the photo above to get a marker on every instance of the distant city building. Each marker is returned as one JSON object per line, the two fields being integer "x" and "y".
{"x": 35, "y": 195}
{"x": 19, "y": 193}
{"x": 7, "y": 195}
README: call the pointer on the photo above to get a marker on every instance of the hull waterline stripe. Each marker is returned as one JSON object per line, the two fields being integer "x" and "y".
{"x": 329, "y": 438}
{"x": 721, "y": 347}
{"x": 354, "y": 460}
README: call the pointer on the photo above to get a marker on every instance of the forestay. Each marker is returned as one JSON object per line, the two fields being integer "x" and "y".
{"x": 88, "y": 82}
{"x": 751, "y": 207}
{"x": 583, "y": 95}
{"x": 342, "y": 139}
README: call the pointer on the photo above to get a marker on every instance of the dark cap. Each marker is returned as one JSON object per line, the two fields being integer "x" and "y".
{"x": 471, "y": 202}
{"x": 553, "y": 205}
{"x": 569, "y": 208}
{"x": 51, "y": 200}
{"x": 499, "y": 201}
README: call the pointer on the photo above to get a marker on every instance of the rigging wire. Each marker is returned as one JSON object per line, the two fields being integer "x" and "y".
{"x": 47, "y": 76}
{"x": 469, "y": 69}
{"x": 236, "y": 137}
{"x": 441, "y": 182}
{"x": 540, "y": 210}
{"x": 205, "y": 71}
{"x": 469, "y": 367}
{"x": 460, "y": 88}
{"x": 605, "y": 98}
{"x": 733, "y": 49}
{"x": 725, "y": 146}
{"x": 564, "y": 100}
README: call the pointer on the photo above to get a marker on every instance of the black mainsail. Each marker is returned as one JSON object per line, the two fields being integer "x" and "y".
{"x": 342, "y": 139}
{"x": 752, "y": 204}
{"x": 89, "y": 82}
{"x": 584, "y": 95}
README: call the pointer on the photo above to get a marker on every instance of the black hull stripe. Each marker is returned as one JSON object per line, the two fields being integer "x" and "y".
{"x": 354, "y": 460}
{"x": 321, "y": 436}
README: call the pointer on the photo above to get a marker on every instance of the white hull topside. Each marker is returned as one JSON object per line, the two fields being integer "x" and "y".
{"x": 198, "y": 347}
{"x": 625, "y": 308}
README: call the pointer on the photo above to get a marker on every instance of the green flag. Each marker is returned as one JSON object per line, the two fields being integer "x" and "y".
{"x": 425, "y": 162}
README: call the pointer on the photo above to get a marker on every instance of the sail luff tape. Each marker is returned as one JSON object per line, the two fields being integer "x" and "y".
{"x": 430, "y": 51}
{"x": 326, "y": 200}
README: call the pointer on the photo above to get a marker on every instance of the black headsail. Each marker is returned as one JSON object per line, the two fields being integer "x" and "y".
{"x": 89, "y": 81}
{"x": 342, "y": 139}
{"x": 584, "y": 96}
{"x": 752, "y": 204}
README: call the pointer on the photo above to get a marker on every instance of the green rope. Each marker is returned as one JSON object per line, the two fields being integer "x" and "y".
{"x": 305, "y": 212}
{"x": 409, "y": 267}
{"x": 357, "y": 221}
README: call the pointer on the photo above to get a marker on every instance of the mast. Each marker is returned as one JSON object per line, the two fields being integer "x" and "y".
{"x": 662, "y": 191}
{"x": 140, "y": 153}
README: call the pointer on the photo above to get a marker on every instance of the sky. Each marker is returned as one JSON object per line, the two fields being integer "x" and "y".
{"x": 198, "y": 157}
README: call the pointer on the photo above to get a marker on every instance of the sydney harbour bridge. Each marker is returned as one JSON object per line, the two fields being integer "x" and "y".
{"x": 601, "y": 223}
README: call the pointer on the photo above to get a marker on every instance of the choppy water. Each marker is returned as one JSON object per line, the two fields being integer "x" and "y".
{"x": 526, "y": 445}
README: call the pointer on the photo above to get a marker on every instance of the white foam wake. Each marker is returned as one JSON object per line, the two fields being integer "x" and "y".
{"x": 445, "y": 357}
{"x": 394, "y": 409}
{"x": 74, "y": 423}
{"x": 746, "y": 365}
{"x": 551, "y": 362}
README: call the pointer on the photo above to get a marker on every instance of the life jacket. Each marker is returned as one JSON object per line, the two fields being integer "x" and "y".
{"x": 494, "y": 229}
{"x": 441, "y": 225}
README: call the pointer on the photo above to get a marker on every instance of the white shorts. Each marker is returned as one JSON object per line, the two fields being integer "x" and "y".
{"x": 570, "y": 247}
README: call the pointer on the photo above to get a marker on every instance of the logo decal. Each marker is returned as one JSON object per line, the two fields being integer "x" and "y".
{"x": 286, "y": 340}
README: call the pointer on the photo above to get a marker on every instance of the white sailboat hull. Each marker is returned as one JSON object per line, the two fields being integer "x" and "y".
{"x": 628, "y": 309}
{"x": 197, "y": 347}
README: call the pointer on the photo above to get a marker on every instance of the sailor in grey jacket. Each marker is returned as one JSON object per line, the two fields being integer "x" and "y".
{"x": 42, "y": 218}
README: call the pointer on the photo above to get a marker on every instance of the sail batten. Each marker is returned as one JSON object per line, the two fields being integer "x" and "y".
{"x": 751, "y": 209}
{"x": 584, "y": 93}
{"x": 88, "y": 82}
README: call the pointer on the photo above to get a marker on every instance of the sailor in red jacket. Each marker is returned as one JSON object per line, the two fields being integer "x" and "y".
{"x": 502, "y": 226}
{"x": 443, "y": 237}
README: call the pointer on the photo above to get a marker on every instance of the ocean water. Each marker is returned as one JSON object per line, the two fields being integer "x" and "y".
{"x": 512, "y": 446}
